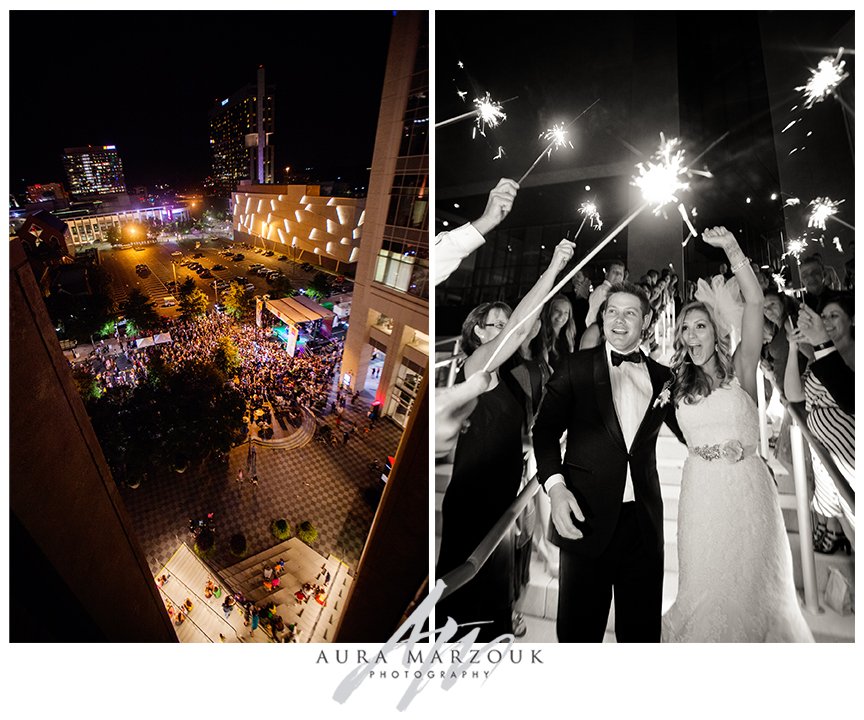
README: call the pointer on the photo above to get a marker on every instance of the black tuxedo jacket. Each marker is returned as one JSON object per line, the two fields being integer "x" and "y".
{"x": 579, "y": 400}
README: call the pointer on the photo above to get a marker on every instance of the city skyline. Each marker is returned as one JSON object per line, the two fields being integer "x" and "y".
{"x": 154, "y": 105}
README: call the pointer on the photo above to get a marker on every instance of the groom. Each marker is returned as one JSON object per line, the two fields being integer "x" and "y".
{"x": 607, "y": 512}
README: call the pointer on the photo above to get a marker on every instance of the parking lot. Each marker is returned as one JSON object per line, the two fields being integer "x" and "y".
{"x": 154, "y": 268}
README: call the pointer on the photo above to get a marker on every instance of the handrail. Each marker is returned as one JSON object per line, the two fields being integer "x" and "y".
{"x": 460, "y": 575}
{"x": 840, "y": 482}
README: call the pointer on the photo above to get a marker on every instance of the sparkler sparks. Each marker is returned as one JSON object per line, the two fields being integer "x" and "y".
{"x": 823, "y": 208}
{"x": 500, "y": 154}
{"x": 489, "y": 114}
{"x": 791, "y": 201}
{"x": 780, "y": 281}
{"x": 660, "y": 179}
{"x": 796, "y": 247}
{"x": 589, "y": 210}
{"x": 557, "y": 137}
{"x": 824, "y": 79}
{"x": 838, "y": 245}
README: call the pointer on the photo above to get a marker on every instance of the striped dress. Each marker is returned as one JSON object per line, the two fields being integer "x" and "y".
{"x": 835, "y": 429}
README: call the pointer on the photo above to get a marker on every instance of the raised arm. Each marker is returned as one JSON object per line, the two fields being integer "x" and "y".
{"x": 528, "y": 307}
{"x": 747, "y": 355}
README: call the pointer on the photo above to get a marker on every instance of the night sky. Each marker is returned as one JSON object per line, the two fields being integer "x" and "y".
{"x": 146, "y": 81}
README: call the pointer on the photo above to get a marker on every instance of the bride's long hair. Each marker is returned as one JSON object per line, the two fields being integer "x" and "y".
{"x": 691, "y": 382}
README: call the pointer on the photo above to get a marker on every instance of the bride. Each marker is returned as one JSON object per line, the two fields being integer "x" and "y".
{"x": 735, "y": 565}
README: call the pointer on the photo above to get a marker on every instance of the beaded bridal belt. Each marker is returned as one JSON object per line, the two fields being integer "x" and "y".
{"x": 731, "y": 451}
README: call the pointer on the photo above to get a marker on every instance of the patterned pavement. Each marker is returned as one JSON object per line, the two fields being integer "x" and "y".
{"x": 332, "y": 487}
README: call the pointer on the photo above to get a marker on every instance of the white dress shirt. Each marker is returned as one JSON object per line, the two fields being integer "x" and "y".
{"x": 631, "y": 393}
{"x": 452, "y": 246}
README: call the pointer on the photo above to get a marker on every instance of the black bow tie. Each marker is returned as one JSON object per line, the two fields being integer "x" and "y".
{"x": 618, "y": 358}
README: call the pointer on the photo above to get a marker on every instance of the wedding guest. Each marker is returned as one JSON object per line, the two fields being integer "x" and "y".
{"x": 830, "y": 412}
{"x": 488, "y": 459}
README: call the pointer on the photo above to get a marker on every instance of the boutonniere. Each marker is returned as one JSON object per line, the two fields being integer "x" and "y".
{"x": 665, "y": 395}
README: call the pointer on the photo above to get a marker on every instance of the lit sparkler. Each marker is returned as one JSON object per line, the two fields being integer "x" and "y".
{"x": 829, "y": 73}
{"x": 796, "y": 247}
{"x": 500, "y": 154}
{"x": 486, "y": 113}
{"x": 824, "y": 208}
{"x": 590, "y": 212}
{"x": 661, "y": 179}
{"x": 838, "y": 245}
{"x": 557, "y": 137}
{"x": 791, "y": 201}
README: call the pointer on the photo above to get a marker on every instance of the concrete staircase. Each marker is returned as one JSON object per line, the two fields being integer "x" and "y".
{"x": 317, "y": 622}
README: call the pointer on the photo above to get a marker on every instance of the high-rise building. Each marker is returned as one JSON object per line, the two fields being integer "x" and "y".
{"x": 94, "y": 170}
{"x": 390, "y": 306}
{"x": 240, "y": 130}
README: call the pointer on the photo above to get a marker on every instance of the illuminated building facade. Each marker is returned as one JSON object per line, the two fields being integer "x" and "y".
{"x": 94, "y": 170}
{"x": 88, "y": 228}
{"x": 299, "y": 222}
{"x": 390, "y": 307}
{"x": 236, "y": 125}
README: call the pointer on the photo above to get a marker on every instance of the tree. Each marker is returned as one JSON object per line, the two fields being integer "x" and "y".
{"x": 282, "y": 287}
{"x": 192, "y": 304}
{"x": 113, "y": 235}
{"x": 227, "y": 356}
{"x": 321, "y": 283}
{"x": 236, "y": 300}
{"x": 139, "y": 309}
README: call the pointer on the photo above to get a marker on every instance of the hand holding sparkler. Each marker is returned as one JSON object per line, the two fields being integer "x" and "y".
{"x": 811, "y": 329}
{"x": 498, "y": 206}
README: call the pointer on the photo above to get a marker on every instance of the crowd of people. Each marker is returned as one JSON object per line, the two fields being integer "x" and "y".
{"x": 528, "y": 375}
{"x": 265, "y": 370}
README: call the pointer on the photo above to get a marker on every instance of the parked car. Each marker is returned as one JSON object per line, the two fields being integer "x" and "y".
{"x": 218, "y": 267}
{"x": 239, "y": 256}
{"x": 269, "y": 253}
{"x": 249, "y": 287}
{"x": 205, "y": 273}
{"x": 198, "y": 255}
{"x": 176, "y": 253}
{"x": 306, "y": 267}
{"x": 282, "y": 258}
{"x": 168, "y": 301}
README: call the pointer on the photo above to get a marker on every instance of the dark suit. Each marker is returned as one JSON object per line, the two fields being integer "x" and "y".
{"x": 622, "y": 544}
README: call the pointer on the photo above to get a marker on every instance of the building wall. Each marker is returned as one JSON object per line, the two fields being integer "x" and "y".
{"x": 89, "y": 229}
{"x": 406, "y": 312}
{"x": 297, "y": 217}
{"x": 67, "y": 513}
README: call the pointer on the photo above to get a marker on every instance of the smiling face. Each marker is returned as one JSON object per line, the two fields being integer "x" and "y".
{"x": 623, "y": 321}
{"x": 838, "y": 324}
{"x": 697, "y": 335}
{"x": 559, "y": 315}
{"x": 772, "y": 308}
{"x": 492, "y": 325}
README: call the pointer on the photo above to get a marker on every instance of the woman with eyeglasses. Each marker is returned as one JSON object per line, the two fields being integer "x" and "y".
{"x": 487, "y": 465}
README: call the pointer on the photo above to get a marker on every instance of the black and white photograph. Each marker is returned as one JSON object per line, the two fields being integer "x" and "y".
{"x": 645, "y": 348}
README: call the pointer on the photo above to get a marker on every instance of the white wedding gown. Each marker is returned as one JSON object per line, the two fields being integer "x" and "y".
{"x": 734, "y": 562}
